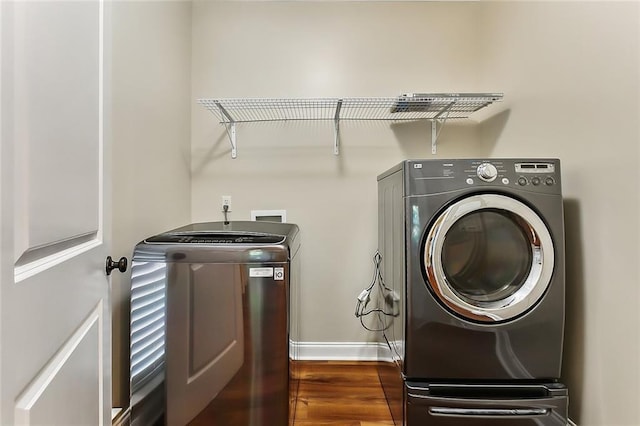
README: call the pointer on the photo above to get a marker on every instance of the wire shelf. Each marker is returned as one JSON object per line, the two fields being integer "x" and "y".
{"x": 401, "y": 108}
{"x": 437, "y": 108}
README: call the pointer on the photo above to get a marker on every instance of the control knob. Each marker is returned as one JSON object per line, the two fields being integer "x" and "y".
{"x": 487, "y": 172}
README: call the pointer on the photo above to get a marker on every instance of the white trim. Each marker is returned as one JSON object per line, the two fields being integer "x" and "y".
{"x": 571, "y": 423}
{"x": 115, "y": 412}
{"x": 120, "y": 417}
{"x": 337, "y": 351}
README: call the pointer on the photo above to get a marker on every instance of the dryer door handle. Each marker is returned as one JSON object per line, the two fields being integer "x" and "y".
{"x": 488, "y": 412}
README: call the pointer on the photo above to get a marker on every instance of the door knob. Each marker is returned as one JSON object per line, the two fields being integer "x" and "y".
{"x": 121, "y": 265}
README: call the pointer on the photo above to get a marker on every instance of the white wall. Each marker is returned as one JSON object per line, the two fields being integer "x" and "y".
{"x": 323, "y": 49}
{"x": 151, "y": 110}
{"x": 570, "y": 73}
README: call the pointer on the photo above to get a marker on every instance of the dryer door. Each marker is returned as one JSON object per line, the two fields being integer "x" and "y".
{"x": 488, "y": 258}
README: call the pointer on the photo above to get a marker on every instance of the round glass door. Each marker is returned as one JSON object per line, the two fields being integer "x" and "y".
{"x": 488, "y": 258}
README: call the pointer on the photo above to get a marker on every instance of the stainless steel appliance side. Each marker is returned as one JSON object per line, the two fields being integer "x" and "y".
{"x": 147, "y": 337}
{"x": 228, "y": 365}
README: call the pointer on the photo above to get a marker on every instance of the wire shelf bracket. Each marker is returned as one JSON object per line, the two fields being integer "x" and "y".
{"x": 434, "y": 108}
{"x": 230, "y": 127}
{"x": 336, "y": 125}
{"x": 439, "y": 119}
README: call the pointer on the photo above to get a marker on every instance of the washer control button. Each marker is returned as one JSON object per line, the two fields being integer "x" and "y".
{"x": 278, "y": 274}
{"x": 522, "y": 181}
{"x": 549, "y": 181}
{"x": 535, "y": 180}
{"x": 505, "y": 181}
{"x": 487, "y": 172}
{"x": 470, "y": 181}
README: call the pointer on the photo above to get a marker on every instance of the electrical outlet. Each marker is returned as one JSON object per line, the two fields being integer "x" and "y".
{"x": 226, "y": 201}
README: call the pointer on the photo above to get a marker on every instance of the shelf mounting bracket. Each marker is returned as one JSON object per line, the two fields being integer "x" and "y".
{"x": 231, "y": 133}
{"x": 230, "y": 127}
{"x": 434, "y": 126}
{"x": 336, "y": 126}
{"x": 434, "y": 136}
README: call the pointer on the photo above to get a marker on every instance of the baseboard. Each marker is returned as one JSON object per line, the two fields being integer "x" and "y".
{"x": 120, "y": 417}
{"x": 337, "y": 351}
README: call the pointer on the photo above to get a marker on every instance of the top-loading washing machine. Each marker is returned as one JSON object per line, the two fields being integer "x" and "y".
{"x": 480, "y": 275}
{"x": 213, "y": 325}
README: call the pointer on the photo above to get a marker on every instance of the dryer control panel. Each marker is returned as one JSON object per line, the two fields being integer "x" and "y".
{"x": 533, "y": 175}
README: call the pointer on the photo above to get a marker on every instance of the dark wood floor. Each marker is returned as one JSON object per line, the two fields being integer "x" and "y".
{"x": 340, "y": 393}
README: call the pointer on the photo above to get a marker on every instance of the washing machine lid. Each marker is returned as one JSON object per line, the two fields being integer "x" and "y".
{"x": 488, "y": 258}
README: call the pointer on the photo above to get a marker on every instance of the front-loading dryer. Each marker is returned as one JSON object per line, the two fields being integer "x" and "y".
{"x": 473, "y": 251}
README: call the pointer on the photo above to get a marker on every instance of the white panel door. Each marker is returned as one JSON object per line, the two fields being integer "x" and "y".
{"x": 54, "y": 312}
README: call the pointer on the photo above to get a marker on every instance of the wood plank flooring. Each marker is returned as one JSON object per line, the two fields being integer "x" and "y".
{"x": 340, "y": 394}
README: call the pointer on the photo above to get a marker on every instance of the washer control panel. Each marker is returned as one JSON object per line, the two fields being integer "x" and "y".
{"x": 215, "y": 238}
{"x": 487, "y": 172}
{"x": 535, "y": 175}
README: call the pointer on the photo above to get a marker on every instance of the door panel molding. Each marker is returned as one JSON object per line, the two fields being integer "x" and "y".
{"x": 59, "y": 256}
{"x": 34, "y": 254}
{"x": 61, "y": 373}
